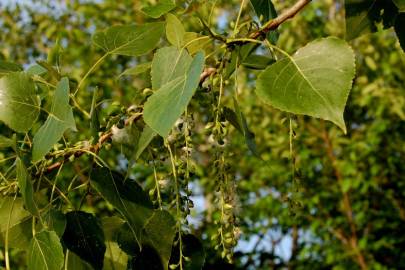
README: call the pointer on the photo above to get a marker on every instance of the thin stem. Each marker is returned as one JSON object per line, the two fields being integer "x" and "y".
{"x": 6, "y": 255}
{"x": 178, "y": 212}
{"x": 92, "y": 68}
{"x": 238, "y": 18}
{"x": 221, "y": 86}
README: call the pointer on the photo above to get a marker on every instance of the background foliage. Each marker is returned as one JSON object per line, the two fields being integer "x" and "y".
{"x": 338, "y": 205}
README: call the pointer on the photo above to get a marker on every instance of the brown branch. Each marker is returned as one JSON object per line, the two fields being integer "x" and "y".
{"x": 276, "y": 22}
{"x": 95, "y": 148}
{"x": 347, "y": 207}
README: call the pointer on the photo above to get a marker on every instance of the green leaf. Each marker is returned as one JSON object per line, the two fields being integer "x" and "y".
{"x": 400, "y": 4}
{"x": 55, "y": 220}
{"x": 258, "y": 62}
{"x": 247, "y": 134}
{"x": 168, "y": 64}
{"x": 84, "y": 236}
{"x": 60, "y": 118}
{"x": 136, "y": 70}
{"x": 147, "y": 136}
{"x": 159, "y": 9}
{"x": 174, "y": 30}
{"x": 316, "y": 81}
{"x": 400, "y": 29}
{"x": 130, "y": 40}
{"x": 157, "y": 237}
{"x": 110, "y": 226}
{"x": 126, "y": 196}
{"x": 266, "y": 11}
{"x": 45, "y": 252}
{"x": 115, "y": 258}
{"x": 159, "y": 234}
{"x": 19, "y": 235}
{"x": 165, "y": 106}
{"x": 20, "y": 227}
{"x": 25, "y": 186}
{"x": 19, "y": 103}
{"x": 362, "y": 16}
{"x": 73, "y": 262}
{"x": 195, "y": 42}
{"x": 238, "y": 56}
{"x": 36, "y": 70}
{"x": 8, "y": 142}
{"x": 7, "y": 67}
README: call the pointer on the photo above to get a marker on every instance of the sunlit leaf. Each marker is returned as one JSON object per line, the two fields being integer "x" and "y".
{"x": 315, "y": 81}
{"x": 174, "y": 30}
{"x": 115, "y": 258}
{"x": 168, "y": 64}
{"x": 19, "y": 103}
{"x": 159, "y": 9}
{"x": 195, "y": 42}
{"x": 165, "y": 106}
{"x": 59, "y": 120}
{"x": 130, "y": 40}
{"x": 45, "y": 252}
{"x": 20, "y": 225}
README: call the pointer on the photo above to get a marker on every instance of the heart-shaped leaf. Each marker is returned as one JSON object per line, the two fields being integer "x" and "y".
{"x": 19, "y": 103}
{"x": 60, "y": 118}
{"x": 130, "y": 40}
{"x": 164, "y": 107}
{"x": 316, "y": 81}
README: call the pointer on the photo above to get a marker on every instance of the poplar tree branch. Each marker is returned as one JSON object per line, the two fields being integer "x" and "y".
{"x": 276, "y": 22}
{"x": 267, "y": 27}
